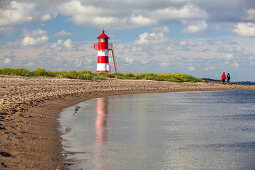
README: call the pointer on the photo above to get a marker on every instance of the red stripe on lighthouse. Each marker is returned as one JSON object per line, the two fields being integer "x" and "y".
{"x": 102, "y": 71}
{"x": 102, "y": 59}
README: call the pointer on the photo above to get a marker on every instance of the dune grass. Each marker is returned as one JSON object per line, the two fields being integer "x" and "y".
{"x": 88, "y": 75}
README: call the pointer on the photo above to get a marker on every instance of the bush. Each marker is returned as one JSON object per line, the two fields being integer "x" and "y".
{"x": 88, "y": 75}
{"x": 16, "y": 71}
{"x": 39, "y": 72}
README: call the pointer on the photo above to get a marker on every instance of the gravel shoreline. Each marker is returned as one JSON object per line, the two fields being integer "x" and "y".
{"x": 29, "y": 107}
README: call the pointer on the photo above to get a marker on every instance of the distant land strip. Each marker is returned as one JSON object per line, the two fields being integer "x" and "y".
{"x": 88, "y": 75}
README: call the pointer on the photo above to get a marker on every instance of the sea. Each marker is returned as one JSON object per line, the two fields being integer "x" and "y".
{"x": 178, "y": 130}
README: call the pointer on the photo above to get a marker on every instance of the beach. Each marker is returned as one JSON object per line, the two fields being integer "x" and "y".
{"x": 30, "y": 106}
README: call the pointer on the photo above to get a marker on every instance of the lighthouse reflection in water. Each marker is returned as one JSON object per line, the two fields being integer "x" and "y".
{"x": 85, "y": 128}
{"x": 189, "y": 130}
{"x": 101, "y": 131}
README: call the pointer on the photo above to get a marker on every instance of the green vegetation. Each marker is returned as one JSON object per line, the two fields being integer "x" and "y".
{"x": 88, "y": 75}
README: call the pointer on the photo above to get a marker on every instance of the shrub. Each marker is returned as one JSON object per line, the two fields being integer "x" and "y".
{"x": 15, "y": 71}
{"x": 39, "y": 72}
{"x": 88, "y": 75}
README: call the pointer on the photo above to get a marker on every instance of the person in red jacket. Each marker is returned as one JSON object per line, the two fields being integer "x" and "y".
{"x": 223, "y": 77}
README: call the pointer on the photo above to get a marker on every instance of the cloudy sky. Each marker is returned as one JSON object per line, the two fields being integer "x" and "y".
{"x": 198, "y": 37}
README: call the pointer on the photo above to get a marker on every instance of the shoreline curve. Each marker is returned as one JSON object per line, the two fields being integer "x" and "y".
{"x": 30, "y": 106}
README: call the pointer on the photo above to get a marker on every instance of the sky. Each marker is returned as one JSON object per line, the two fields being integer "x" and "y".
{"x": 199, "y": 37}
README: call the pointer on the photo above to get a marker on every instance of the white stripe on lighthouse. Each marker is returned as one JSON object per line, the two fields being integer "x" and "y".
{"x": 102, "y": 53}
{"x": 102, "y": 67}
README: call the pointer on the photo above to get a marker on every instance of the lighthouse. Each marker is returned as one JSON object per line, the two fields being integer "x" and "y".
{"x": 103, "y": 48}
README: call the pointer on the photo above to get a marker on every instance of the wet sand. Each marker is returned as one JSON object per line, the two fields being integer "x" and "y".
{"x": 29, "y": 107}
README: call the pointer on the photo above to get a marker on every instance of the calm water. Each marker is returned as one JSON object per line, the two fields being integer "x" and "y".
{"x": 187, "y": 130}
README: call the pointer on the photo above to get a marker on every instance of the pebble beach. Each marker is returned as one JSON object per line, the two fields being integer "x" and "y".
{"x": 29, "y": 108}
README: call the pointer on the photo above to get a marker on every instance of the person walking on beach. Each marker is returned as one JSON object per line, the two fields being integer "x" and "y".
{"x": 223, "y": 77}
{"x": 228, "y": 78}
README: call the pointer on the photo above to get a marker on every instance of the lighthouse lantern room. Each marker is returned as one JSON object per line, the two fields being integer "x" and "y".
{"x": 103, "y": 48}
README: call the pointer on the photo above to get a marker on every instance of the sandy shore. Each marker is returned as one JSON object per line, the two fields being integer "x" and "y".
{"x": 30, "y": 106}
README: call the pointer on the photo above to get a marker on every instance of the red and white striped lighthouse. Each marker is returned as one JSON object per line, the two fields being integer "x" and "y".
{"x": 103, "y": 48}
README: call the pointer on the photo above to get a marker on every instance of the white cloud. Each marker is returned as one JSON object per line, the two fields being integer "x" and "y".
{"x": 142, "y": 39}
{"x": 103, "y": 20}
{"x": 140, "y": 20}
{"x": 86, "y": 14}
{"x": 149, "y": 38}
{"x": 251, "y": 60}
{"x": 163, "y": 29}
{"x": 251, "y": 14}
{"x": 46, "y": 17}
{"x": 30, "y": 38}
{"x": 164, "y": 64}
{"x": 7, "y": 60}
{"x": 228, "y": 56}
{"x": 127, "y": 14}
{"x": 34, "y": 33}
{"x": 76, "y": 7}
{"x": 59, "y": 42}
{"x": 92, "y": 20}
{"x": 191, "y": 68}
{"x": 186, "y": 12}
{"x": 245, "y": 29}
{"x": 197, "y": 28}
{"x": 62, "y": 45}
{"x": 27, "y": 41}
{"x": 67, "y": 43}
{"x": 16, "y": 12}
{"x": 6, "y": 31}
{"x": 34, "y": 37}
{"x": 22, "y": 12}
{"x": 235, "y": 65}
{"x": 63, "y": 33}
{"x": 210, "y": 68}
{"x": 129, "y": 60}
{"x": 183, "y": 43}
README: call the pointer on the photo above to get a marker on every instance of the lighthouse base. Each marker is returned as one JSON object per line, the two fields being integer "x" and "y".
{"x": 102, "y": 71}
{"x": 103, "y": 67}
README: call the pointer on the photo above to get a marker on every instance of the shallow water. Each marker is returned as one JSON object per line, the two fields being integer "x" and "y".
{"x": 184, "y": 130}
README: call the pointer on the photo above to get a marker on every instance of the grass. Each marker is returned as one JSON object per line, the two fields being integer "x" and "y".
{"x": 88, "y": 75}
